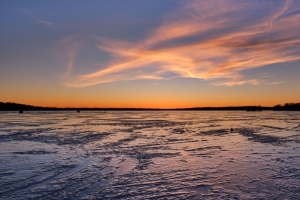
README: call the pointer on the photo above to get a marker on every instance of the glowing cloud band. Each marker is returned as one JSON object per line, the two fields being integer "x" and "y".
{"x": 211, "y": 40}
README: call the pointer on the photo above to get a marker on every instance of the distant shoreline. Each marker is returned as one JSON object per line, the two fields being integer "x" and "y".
{"x": 9, "y": 106}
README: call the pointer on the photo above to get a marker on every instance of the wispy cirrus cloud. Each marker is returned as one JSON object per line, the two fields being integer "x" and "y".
{"x": 67, "y": 48}
{"x": 46, "y": 23}
{"x": 237, "y": 82}
{"x": 277, "y": 14}
{"x": 211, "y": 40}
{"x": 277, "y": 82}
{"x": 37, "y": 20}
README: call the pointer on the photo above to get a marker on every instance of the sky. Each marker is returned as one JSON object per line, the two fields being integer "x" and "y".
{"x": 150, "y": 54}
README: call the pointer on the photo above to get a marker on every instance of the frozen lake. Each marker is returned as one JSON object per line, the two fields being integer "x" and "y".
{"x": 150, "y": 155}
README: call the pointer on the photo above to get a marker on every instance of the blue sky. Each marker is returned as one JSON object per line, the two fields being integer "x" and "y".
{"x": 193, "y": 52}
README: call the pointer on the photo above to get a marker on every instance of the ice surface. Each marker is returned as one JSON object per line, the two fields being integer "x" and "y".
{"x": 150, "y": 155}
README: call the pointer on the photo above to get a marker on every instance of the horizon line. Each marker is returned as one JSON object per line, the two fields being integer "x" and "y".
{"x": 143, "y": 108}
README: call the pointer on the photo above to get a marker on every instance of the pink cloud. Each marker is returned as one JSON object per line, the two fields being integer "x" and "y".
{"x": 206, "y": 40}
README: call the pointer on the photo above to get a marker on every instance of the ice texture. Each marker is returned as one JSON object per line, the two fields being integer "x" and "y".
{"x": 150, "y": 155}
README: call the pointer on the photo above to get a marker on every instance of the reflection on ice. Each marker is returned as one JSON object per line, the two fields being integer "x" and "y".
{"x": 150, "y": 155}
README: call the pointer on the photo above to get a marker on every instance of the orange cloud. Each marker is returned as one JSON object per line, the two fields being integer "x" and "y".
{"x": 201, "y": 41}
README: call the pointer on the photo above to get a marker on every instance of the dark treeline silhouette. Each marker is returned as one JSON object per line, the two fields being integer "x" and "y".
{"x": 288, "y": 106}
{"x": 247, "y": 108}
{"x": 9, "y": 106}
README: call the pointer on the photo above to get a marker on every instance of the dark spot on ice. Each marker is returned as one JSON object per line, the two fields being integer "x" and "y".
{"x": 6, "y": 173}
{"x": 248, "y": 132}
{"x": 36, "y": 152}
{"x": 216, "y": 132}
{"x": 178, "y": 131}
{"x": 204, "y": 148}
{"x": 279, "y": 160}
{"x": 60, "y": 139}
{"x": 144, "y": 158}
{"x": 215, "y": 190}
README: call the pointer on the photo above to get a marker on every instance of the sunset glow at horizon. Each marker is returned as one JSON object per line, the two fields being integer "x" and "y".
{"x": 150, "y": 54}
